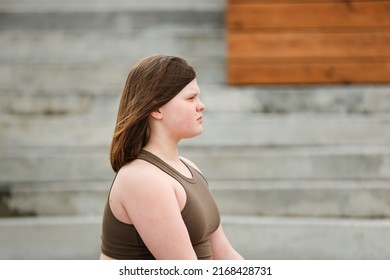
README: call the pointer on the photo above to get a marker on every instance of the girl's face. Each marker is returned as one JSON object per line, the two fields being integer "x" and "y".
{"x": 182, "y": 115}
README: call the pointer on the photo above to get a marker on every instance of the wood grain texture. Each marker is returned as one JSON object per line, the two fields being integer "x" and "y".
{"x": 306, "y": 42}
{"x": 309, "y": 73}
{"x": 339, "y": 14}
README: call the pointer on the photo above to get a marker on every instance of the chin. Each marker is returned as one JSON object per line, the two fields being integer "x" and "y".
{"x": 192, "y": 135}
{"x": 199, "y": 132}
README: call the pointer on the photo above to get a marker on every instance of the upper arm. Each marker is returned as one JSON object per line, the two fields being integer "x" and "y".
{"x": 153, "y": 208}
{"x": 221, "y": 247}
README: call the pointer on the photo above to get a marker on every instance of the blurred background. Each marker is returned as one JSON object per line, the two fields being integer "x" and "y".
{"x": 297, "y": 126}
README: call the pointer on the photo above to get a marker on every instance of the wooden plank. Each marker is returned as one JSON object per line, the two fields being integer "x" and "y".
{"x": 245, "y": 2}
{"x": 341, "y": 14}
{"x": 324, "y": 45}
{"x": 309, "y": 73}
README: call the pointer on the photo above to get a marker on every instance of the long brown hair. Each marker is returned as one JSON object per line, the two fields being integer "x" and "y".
{"x": 151, "y": 83}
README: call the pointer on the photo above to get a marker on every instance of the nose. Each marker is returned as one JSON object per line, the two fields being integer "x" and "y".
{"x": 200, "y": 107}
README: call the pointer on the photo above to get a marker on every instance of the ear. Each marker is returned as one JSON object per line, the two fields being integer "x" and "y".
{"x": 156, "y": 114}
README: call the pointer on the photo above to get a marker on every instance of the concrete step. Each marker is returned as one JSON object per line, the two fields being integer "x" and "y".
{"x": 289, "y": 198}
{"x": 304, "y": 198}
{"x": 107, "y": 5}
{"x": 72, "y": 48}
{"x": 54, "y": 164}
{"x": 99, "y": 58}
{"x": 109, "y": 71}
{"x": 66, "y": 131}
{"x": 219, "y": 130}
{"x": 81, "y": 100}
{"x": 74, "y": 198}
{"x": 100, "y": 98}
{"x": 121, "y": 16}
{"x": 354, "y": 99}
{"x": 292, "y": 238}
{"x": 228, "y": 163}
{"x": 50, "y": 238}
{"x": 253, "y": 237}
{"x": 308, "y": 129}
{"x": 103, "y": 58}
{"x": 252, "y": 163}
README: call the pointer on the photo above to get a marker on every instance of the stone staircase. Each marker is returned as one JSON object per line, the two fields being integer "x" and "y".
{"x": 298, "y": 172}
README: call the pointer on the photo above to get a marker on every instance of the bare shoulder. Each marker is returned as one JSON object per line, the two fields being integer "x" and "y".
{"x": 137, "y": 180}
{"x": 140, "y": 173}
{"x": 138, "y": 186}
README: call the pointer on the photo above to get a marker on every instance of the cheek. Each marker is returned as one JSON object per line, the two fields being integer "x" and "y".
{"x": 184, "y": 118}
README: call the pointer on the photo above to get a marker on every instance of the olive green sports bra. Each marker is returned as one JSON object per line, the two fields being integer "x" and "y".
{"x": 200, "y": 214}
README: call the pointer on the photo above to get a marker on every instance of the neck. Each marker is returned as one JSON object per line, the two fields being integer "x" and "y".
{"x": 164, "y": 148}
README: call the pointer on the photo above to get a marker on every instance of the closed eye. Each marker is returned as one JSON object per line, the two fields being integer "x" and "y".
{"x": 192, "y": 97}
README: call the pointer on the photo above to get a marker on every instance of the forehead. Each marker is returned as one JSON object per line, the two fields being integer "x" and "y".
{"x": 191, "y": 87}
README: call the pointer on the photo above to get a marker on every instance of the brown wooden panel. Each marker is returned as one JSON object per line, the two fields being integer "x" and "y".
{"x": 340, "y": 14}
{"x": 300, "y": 73}
{"x": 306, "y": 45}
{"x": 245, "y": 2}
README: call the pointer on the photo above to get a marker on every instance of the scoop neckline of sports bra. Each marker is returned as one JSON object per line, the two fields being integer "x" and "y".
{"x": 189, "y": 179}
